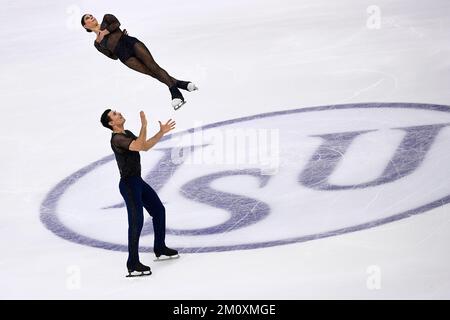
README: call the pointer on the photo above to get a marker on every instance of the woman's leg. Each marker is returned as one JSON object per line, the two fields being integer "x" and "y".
{"x": 144, "y": 55}
{"x": 137, "y": 65}
{"x": 143, "y": 62}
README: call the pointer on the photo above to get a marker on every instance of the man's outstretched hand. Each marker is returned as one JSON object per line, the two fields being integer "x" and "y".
{"x": 143, "y": 119}
{"x": 168, "y": 126}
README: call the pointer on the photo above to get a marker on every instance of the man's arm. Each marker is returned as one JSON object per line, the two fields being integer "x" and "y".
{"x": 163, "y": 129}
{"x": 152, "y": 141}
{"x": 139, "y": 143}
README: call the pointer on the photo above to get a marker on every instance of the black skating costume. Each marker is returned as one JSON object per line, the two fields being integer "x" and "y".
{"x": 135, "y": 55}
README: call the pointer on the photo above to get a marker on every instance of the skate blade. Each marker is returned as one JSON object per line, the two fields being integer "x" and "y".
{"x": 135, "y": 274}
{"x": 167, "y": 258}
{"x": 179, "y": 105}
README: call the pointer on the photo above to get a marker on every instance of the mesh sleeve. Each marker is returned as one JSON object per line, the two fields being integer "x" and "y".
{"x": 122, "y": 142}
{"x": 105, "y": 51}
{"x": 112, "y": 22}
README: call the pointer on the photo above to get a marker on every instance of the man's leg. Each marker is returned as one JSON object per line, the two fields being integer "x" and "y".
{"x": 156, "y": 209}
{"x": 131, "y": 190}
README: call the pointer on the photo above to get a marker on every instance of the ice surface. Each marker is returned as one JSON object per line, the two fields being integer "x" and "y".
{"x": 248, "y": 58}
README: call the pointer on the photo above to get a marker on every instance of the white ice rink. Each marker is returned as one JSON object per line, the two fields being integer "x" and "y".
{"x": 350, "y": 202}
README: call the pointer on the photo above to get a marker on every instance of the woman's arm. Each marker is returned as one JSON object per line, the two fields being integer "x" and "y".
{"x": 112, "y": 22}
{"x": 105, "y": 51}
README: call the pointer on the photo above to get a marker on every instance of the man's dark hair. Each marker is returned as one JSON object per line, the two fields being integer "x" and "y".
{"x": 104, "y": 119}
{"x": 82, "y": 23}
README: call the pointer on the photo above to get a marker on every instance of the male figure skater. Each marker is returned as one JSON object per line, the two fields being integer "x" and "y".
{"x": 135, "y": 191}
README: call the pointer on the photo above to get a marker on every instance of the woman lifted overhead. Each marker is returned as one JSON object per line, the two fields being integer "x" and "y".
{"x": 117, "y": 44}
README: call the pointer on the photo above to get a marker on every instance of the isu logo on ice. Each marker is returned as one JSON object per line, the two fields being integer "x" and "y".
{"x": 304, "y": 174}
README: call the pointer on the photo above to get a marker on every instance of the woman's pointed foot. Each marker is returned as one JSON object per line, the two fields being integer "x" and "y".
{"x": 186, "y": 85}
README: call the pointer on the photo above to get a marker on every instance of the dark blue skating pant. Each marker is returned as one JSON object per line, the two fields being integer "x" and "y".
{"x": 138, "y": 195}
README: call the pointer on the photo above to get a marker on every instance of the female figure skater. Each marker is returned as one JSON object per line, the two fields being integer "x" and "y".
{"x": 117, "y": 44}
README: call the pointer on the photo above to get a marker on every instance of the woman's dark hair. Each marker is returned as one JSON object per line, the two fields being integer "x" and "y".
{"x": 82, "y": 23}
{"x": 104, "y": 119}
